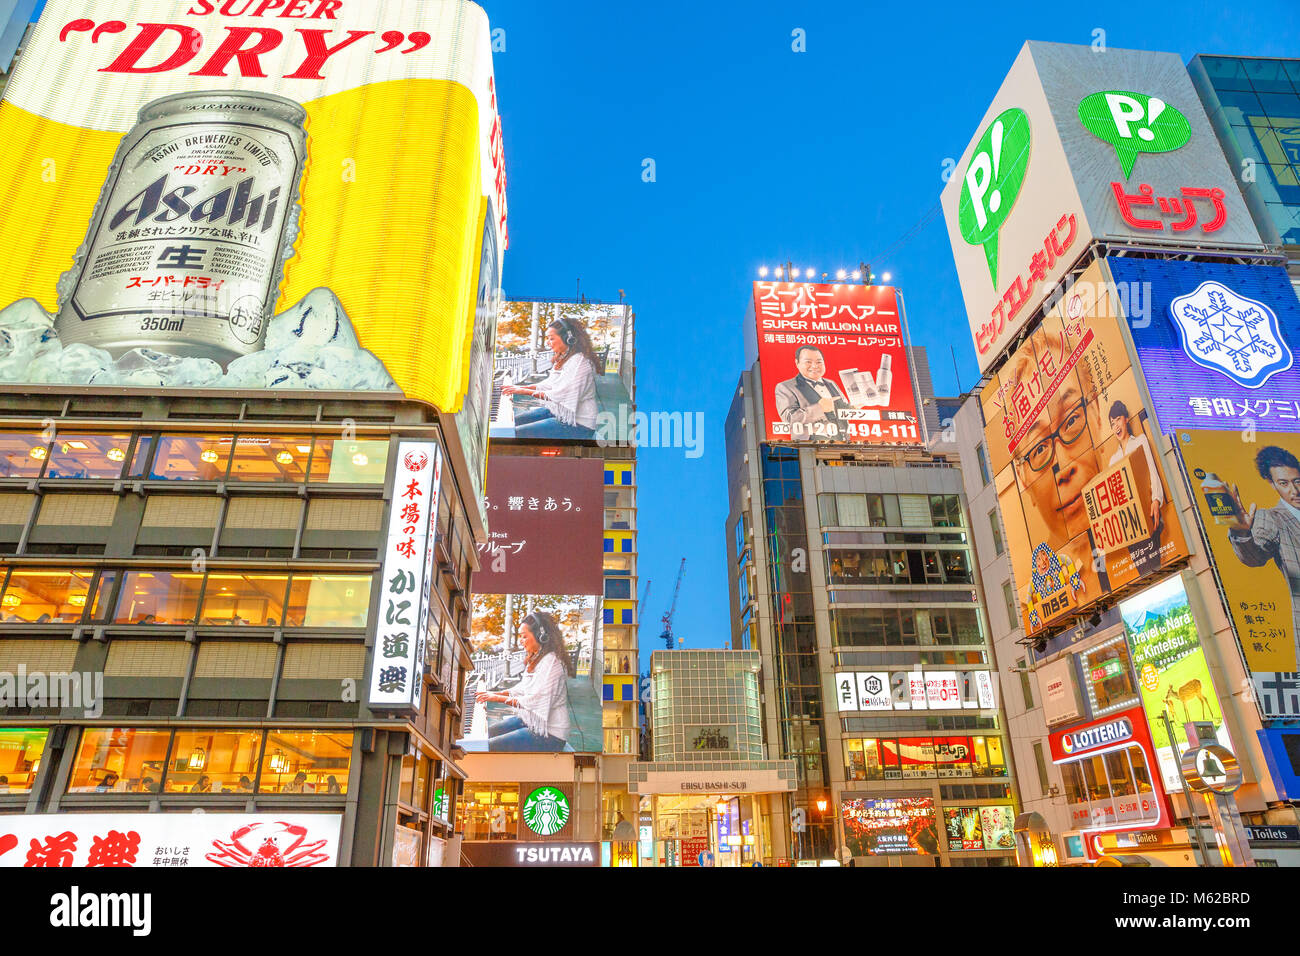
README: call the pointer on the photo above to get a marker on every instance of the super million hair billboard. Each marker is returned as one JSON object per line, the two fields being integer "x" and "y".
{"x": 290, "y": 194}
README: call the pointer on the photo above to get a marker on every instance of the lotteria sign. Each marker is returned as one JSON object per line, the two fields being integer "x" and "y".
{"x": 1103, "y": 735}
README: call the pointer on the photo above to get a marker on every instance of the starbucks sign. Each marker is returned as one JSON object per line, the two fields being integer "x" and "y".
{"x": 546, "y": 811}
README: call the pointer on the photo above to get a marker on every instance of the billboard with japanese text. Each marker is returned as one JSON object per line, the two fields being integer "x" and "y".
{"x": 564, "y": 372}
{"x": 1081, "y": 145}
{"x": 1217, "y": 342}
{"x": 834, "y": 364}
{"x": 287, "y": 838}
{"x": 538, "y": 669}
{"x": 225, "y": 197}
{"x": 1248, "y": 498}
{"x": 545, "y": 526}
{"x": 899, "y": 826}
{"x": 1076, "y": 462}
{"x": 1173, "y": 675}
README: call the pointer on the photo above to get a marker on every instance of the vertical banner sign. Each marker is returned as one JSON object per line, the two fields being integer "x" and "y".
{"x": 398, "y": 669}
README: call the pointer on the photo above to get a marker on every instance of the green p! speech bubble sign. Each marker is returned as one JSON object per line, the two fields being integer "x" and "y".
{"x": 992, "y": 182}
{"x": 1133, "y": 123}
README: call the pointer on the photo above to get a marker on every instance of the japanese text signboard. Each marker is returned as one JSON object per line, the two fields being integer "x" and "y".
{"x": 229, "y": 196}
{"x": 1083, "y": 497}
{"x": 397, "y": 673}
{"x": 1080, "y": 145}
{"x": 834, "y": 364}
{"x": 546, "y": 523}
{"x": 1217, "y": 342}
{"x": 1247, "y": 493}
{"x": 290, "y": 839}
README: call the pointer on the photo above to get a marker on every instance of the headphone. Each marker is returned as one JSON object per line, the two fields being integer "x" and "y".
{"x": 566, "y": 331}
{"x": 541, "y": 631}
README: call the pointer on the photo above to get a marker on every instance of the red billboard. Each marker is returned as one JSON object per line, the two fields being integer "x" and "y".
{"x": 833, "y": 359}
{"x": 546, "y": 523}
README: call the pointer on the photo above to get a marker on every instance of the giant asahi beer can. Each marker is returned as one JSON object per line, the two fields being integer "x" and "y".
{"x": 188, "y": 242}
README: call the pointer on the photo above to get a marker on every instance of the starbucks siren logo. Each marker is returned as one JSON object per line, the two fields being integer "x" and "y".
{"x": 1134, "y": 123}
{"x": 546, "y": 811}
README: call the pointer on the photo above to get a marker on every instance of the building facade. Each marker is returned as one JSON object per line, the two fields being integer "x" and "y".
{"x": 710, "y": 797}
{"x": 603, "y": 696}
{"x": 210, "y": 567}
{"x": 853, "y": 577}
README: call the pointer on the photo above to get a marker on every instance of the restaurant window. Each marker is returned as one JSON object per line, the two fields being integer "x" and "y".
{"x": 306, "y": 761}
{"x": 244, "y": 599}
{"x": 988, "y": 757}
{"x": 22, "y": 455}
{"x": 338, "y": 461}
{"x": 214, "y": 761}
{"x": 1107, "y": 673}
{"x": 45, "y": 597}
{"x": 956, "y": 567}
{"x": 270, "y": 458}
{"x": 120, "y": 760}
{"x": 87, "y": 456}
{"x": 192, "y": 457}
{"x": 20, "y": 758}
{"x": 488, "y": 812}
{"x": 158, "y": 597}
{"x": 995, "y": 527}
{"x": 331, "y": 600}
{"x": 102, "y": 602}
{"x": 855, "y": 763}
{"x": 140, "y": 457}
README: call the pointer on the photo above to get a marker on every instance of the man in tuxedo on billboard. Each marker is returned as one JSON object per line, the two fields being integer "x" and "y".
{"x": 810, "y": 399}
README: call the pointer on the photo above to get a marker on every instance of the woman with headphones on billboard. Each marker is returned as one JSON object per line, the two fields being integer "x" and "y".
{"x": 540, "y": 701}
{"x": 568, "y": 393}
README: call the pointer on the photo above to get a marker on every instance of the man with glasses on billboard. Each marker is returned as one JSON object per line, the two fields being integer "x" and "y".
{"x": 1055, "y": 460}
{"x": 1273, "y": 534}
{"x": 808, "y": 401}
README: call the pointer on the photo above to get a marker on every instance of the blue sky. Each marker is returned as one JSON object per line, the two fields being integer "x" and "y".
{"x": 762, "y": 154}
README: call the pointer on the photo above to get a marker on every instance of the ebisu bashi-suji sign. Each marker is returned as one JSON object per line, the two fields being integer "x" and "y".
{"x": 397, "y": 667}
{"x": 1078, "y": 146}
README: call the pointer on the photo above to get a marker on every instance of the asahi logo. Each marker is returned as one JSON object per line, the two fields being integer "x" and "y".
{"x": 236, "y": 204}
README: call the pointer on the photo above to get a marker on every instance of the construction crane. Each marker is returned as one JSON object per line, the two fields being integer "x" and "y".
{"x": 667, "y": 635}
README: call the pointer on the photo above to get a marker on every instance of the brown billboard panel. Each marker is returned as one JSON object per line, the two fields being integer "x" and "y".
{"x": 546, "y": 527}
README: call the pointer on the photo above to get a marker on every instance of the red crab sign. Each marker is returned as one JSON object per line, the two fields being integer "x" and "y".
{"x": 165, "y": 839}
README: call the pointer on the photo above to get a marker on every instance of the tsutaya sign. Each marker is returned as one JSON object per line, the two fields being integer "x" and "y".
{"x": 1081, "y": 145}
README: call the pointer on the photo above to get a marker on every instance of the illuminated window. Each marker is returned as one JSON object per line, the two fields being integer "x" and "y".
{"x": 1107, "y": 674}
{"x": 270, "y": 458}
{"x": 488, "y": 812}
{"x": 306, "y": 761}
{"x": 45, "y": 597}
{"x": 237, "y": 599}
{"x": 332, "y": 600}
{"x": 87, "y": 456}
{"x": 20, "y": 758}
{"x": 158, "y": 597}
{"x": 120, "y": 760}
{"x": 192, "y": 457}
{"x": 214, "y": 761}
{"x": 349, "y": 462}
{"x": 22, "y": 455}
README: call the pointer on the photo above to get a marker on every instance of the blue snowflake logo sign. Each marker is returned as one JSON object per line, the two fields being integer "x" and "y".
{"x": 1230, "y": 333}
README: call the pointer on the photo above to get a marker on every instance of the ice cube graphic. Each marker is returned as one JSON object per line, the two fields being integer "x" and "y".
{"x": 1229, "y": 333}
{"x": 311, "y": 345}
